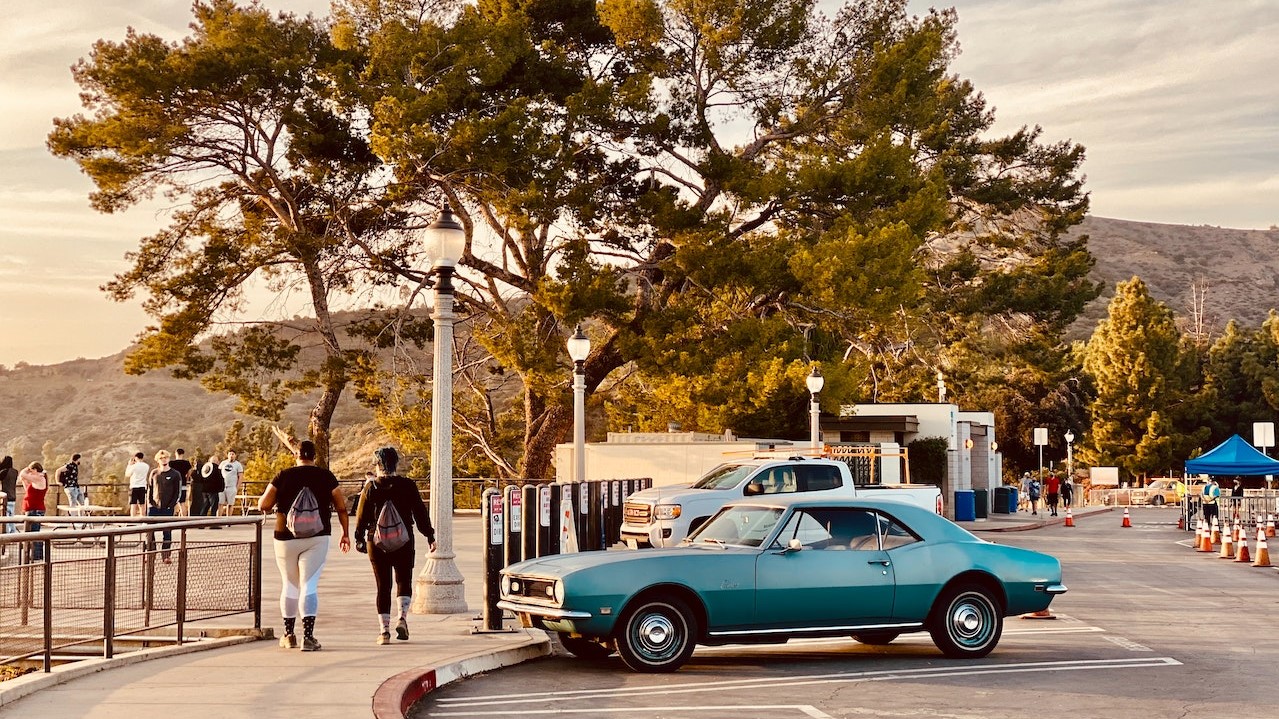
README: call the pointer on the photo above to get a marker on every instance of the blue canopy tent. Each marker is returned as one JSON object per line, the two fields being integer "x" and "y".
{"x": 1234, "y": 456}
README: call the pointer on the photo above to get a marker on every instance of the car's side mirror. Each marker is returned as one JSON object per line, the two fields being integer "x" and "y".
{"x": 753, "y": 489}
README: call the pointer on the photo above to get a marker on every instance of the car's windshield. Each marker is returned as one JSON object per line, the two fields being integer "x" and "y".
{"x": 725, "y": 476}
{"x": 746, "y": 526}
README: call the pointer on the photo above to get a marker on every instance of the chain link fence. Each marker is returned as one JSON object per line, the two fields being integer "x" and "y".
{"x": 68, "y": 594}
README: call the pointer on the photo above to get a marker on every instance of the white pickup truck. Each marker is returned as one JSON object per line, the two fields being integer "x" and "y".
{"x": 662, "y": 516}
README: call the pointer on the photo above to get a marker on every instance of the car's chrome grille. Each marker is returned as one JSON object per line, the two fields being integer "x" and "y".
{"x": 637, "y": 512}
{"x": 534, "y": 589}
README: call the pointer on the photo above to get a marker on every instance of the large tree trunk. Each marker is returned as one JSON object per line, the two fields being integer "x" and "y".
{"x": 333, "y": 377}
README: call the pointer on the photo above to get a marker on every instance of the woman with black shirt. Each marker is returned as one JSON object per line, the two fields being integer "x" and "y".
{"x": 301, "y": 559}
{"x": 402, "y": 493}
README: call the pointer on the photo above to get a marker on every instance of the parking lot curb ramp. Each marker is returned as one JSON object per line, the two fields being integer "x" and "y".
{"x": 397, "y": 695}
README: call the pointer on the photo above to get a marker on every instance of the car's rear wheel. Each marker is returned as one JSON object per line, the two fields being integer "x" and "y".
{"x": 657, "y": 635}
{"x": 876, "y": 638}
{"x": 583, "y": 648}
{"x": 1157, "y": 500}
{"x": 966, "y": 622}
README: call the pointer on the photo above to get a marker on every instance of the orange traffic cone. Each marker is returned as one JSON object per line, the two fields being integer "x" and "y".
{"x": 1216, "y": 533}
{"x": 1228, "y": 544}
{"x": 1181, "y": 520}
{"x": 1242, "y": 555}
{"x": 1127, "y": 519}
{"x": 1041, "y": 614}
{"x": 1070, "y": 520}
{"x": 1263, "y": 554}
{"x": 1201, "y": 537}
{"x": 1270, "y": 525}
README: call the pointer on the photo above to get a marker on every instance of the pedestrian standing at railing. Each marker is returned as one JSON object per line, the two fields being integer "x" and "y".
{"x": 163, "y": 489}
{"x": 183, "y": 466}
{"x": 211, "y": 487}
{"x": 68, "y": 475}
{"x": 36, "y": 484}
{"x": 232, "y": 472}
{"x": 137, "y": 471}
{"x": 9, "y": 485}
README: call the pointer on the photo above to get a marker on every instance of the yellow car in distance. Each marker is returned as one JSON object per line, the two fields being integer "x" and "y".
{"x": 1163, "y": 491}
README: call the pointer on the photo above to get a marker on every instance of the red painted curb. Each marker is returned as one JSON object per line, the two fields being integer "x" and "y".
{"x": 397, "y": 695}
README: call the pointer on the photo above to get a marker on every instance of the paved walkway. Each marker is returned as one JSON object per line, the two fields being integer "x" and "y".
{"x": 257, "y": 679}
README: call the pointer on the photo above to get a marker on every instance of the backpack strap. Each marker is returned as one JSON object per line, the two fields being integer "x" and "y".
{"x": 359, "y": 507}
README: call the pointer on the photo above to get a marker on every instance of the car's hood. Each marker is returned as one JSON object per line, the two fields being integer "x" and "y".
{"x": 563, "y": 564}
{"x": 673, "y": 495}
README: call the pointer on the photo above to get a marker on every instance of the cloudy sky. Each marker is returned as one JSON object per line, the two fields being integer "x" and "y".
{"x": 1177, "y": 105}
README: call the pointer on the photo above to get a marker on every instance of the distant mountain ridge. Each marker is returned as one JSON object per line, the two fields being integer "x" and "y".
{"x": 92, "y": 407}
{"x": 1236, "y": 270}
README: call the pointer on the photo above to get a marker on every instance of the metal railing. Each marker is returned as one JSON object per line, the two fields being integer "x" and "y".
{"x": 68, "y": 594}
{"x": 1249, "y": 510}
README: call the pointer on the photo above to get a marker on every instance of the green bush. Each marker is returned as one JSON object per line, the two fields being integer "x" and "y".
{"x": 928, "y": 460}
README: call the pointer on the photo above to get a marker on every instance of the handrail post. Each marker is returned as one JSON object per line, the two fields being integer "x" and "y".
{"x": 148, "y": 578}
{"x": 182, "y": 583}
{"x": 48, "y": 606}
{"x": 256, "y": 579}
{"x": 109, "y": 578}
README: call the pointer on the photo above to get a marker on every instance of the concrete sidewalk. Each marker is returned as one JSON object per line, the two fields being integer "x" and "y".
{"x": 1022, "y": 521}
{"x": 245, "y": 678}
{"x": 350, "y": 677}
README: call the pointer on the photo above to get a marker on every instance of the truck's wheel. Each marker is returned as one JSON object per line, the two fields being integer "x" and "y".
{"x": 657, "y": 635}
{"x": 584, "y": 648}
{"x": 966, "y": 622}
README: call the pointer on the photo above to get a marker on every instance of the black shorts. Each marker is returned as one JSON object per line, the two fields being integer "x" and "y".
{"x": 138, "y": 495}
{"x": 182, "y": 495}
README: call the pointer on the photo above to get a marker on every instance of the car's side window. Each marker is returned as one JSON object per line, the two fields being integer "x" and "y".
{"x": 816, "y": 478}
{"x": 892, "y": 534}
{"x": 832, "y": 529}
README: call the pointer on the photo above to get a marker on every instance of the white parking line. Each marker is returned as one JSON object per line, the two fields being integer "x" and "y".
{"x": 741, "y": 709}
{"x": 803, "y": 680}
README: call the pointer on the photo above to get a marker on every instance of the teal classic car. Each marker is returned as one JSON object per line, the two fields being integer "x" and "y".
{"x": 767, "y": 570}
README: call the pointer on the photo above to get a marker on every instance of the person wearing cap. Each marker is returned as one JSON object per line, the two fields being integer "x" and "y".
{"x": 301, "y": 559}
{"x": 389, "y": 487}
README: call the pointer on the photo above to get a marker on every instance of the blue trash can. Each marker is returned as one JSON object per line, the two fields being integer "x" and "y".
{"x": 965, "y": 505}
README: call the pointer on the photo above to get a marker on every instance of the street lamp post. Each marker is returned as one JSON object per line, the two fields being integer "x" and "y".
{"x": 579, "y": 348}
{"x": 1070, "y": 456}
{"x": 440, "y": 587}
{"x": 815, "y": 382}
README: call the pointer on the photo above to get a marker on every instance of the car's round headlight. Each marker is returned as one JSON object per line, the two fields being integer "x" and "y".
{"x": 666, "y": 511}
{"x": 557, "y": 591}
{"x": 513, "y": 586}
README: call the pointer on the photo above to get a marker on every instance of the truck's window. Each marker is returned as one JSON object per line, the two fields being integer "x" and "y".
{"x": 725, "y": 476}
{"x": 818, "y": 477}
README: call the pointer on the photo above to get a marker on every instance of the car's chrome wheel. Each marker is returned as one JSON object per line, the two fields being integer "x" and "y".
{"x": 583, "y": 648}
{"x": 967, "y": 622}
{"x": 1157, "y": 500}
{"x": 657, "y": 635}
{"x": 876, "y": 638}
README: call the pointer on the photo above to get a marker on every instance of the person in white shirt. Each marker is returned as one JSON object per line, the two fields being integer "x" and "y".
{"x": 232, "y": 470}
{"x": 137, "y": 472}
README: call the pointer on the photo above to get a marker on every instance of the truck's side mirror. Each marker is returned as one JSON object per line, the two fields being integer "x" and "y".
{"x": 754, "y": 488}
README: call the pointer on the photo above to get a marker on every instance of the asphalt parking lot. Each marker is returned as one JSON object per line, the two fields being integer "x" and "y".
{"x": 1150, "y": 628}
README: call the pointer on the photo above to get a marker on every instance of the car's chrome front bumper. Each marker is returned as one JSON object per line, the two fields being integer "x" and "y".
{"x": 541, "y": 610}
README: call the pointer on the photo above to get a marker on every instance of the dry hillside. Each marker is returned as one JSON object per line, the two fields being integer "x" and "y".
{"x": 1235, "y": 269}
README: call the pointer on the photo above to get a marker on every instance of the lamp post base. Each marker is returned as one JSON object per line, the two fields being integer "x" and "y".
{"x": 440, "y": 588}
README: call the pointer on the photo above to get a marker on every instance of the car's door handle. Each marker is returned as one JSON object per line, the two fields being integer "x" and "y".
{"x": 884, "y": 562}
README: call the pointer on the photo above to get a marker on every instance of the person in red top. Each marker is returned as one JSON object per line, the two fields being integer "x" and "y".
{"x": 1053, "y": 485}
{"x": 36, "y": 483}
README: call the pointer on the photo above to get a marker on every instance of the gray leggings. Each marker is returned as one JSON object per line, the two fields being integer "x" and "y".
{"x": 300, "y": 562}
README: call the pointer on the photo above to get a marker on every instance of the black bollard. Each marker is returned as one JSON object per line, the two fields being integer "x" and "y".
{"x": 513, "y": 535}
{"x": 595, "y": 515}
{"x": 582, "y": 500}
{"x": 491, "y": 504}
{"x": 615, "y": 522}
